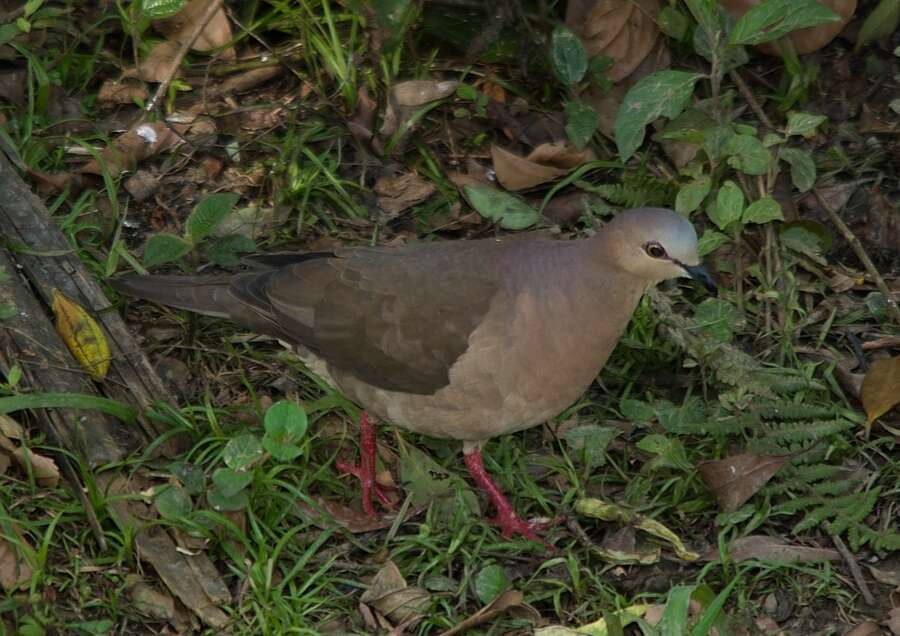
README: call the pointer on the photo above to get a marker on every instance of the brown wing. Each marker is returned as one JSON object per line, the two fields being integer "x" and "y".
{"x": 394, "y": 318}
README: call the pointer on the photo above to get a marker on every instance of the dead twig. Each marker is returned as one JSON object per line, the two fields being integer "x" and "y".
{"x": 855, "y": 570}
{"x": 861, "y": 254}
{"x": 751, "y": 99}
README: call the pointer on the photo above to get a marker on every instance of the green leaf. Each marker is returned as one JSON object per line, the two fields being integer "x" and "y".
{"x": 225, "y": 251}
{"x": 636, "y": 411}
{"x": 803, "y": 169}
{"x": 225, "y": 503}
{"x": 717, "y": 319}
{"x": 880, "y": 23}
{"x": 675, "y": 618}
{"x": 748, "y": 154}
{"x": 191, "y": 475}
{"x": 804, "y": 124}
{"x": 159, "y": 9}
{"x": 241, "y": 451}
{"x": 66, "y": 401}
{"x": 673, "y": 23}
{"x": 230, "y": 482}
{"x": 510, "y": 212}
{"x": 589, "y": 442}
{"x": 762, "y": 211}
{"x": 728, "y": 206}
{"x": 466, "y": 91}
{"x": 662, "y": 94}
{"x": 669, "y": 451}
{"x": 164, "y": 248}
{"x": 570, "y": 60}
{"x": 710, "y": 242}
{"x": 173, "y": 503}
{"x": 691, "y": 195}
{"x": 490, "y": 583}
{"x": 285, "y": 425}
{"x": 7, "y": 311}
{"x": 715, "y": 141}
{"x": 773, "y": 19}
{"x": 208, "y": 214}
{"x": 581, "y": 122}
{"x": 708, "y": 15}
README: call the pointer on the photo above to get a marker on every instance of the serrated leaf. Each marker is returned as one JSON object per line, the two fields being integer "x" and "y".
{"x": 241, "y": 451}
{"x": 691, "y": 195}
{"x": 82, "y": 335}
{"x": 208, "y": 214}
{"x": 716, "y": 318}
{"x": 803, "y": 124}
{"x": 164, "y": 248}
{"x": 762, "y": 211}
{"x": 710, "y": 242}
{"x": 230, "y": 482}
{"x": 728, "y": 206}
{"x": 491, "y": 582}
{"x": 510, "y": 212}
{"x": 662, "y": 94}
{"x": 589, "y": 442}
{"x": 570, "y": 60}
{"x": 225, "y": 252}
{"x": 880, "y": 23}
{"x": 773, "y": 19}
{"x": 173, "y": 503}
{"x": 803, "y": 169}
{"x": 581, "y": 122}
{"x": 748, "y": 154}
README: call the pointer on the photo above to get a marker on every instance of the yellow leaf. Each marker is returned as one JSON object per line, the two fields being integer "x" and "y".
{"x": 880, "y": 388}
{"x": 82, "y": 335}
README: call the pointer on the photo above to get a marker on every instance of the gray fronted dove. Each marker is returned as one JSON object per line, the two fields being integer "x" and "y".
{"x": 459, "y": 339}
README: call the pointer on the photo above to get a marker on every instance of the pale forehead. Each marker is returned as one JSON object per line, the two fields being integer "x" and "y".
{"x": 657, "y": 224}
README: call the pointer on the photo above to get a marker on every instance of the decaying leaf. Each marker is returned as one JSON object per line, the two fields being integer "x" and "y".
{"x": 82, "y": 335}
{"x": 14, "y": 569}
{"x": 401, "y": 192}
{"x": 733, "y": 480}
{"x": 626, "y": 617}
{"x": 132, "y": 147}
{"x": 10, "y": 428}
{"x": 545, "y": 163}
{"x": 216, "y": 34}
{"x": 880, "y": 388}
{"x": 776, "y": 549}
{"x": 404, "y": 98}
{"x": 508, "y": 601}
{"x": 44, "y": 469}
{"x": 113, "y": 92}
{"x": 392, "y": 597}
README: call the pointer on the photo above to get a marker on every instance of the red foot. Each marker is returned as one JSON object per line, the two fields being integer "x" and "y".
{"x": 365, "y": 472}
{"x": 510, "y": 523}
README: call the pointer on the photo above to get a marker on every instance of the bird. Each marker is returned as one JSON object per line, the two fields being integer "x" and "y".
{"x": 464, "y": 340}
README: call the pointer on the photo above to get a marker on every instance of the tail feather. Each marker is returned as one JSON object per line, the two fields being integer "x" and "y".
{"x": 207, "y": 295}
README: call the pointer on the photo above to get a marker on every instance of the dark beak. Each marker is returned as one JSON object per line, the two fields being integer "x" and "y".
{"x": 699, "y": 274}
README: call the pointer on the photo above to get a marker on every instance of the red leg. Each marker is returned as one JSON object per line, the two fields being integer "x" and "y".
{"x": 365, "y": 472}
{"x": 510, "y": 523}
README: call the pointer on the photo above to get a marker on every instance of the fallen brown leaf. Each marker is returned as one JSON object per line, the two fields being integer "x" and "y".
{"x": 113, "y": 92}
{"x": 766, "y": 548}
{"x": 865, "y": 629}
{"x": 880, "y": 390}
{"x": 404, "y": 98}
{"x": 82, "y": 335}
{"x": 509, "y": 601}
{"x": 216, "y": 34}
{"x": 43, "y": 468}
{"x": 132, "y": 147}
{"x": 14, "y": 570}
{"x": 893, "y": 621}
{"x": 733, "y": 480}
{"x": 11, "y": 428}
{"x": 401, "y": 192}
{"x": 392, "y": 597}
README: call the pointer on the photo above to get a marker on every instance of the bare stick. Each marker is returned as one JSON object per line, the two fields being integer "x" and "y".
{"x": 855, "y": 570}
{"x": 861, "y": 254}
{"x": 751, "y": 98}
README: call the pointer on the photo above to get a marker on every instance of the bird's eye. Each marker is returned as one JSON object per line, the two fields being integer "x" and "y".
{"x": 655, "y": 250}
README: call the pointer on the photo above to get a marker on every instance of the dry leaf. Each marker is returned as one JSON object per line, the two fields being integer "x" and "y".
{"x": 153, "y": 603}
{"x": 11, "y": 428}
{"x": 405, "y": 97}
{"x": 735, "y": 479}
{"x": 508, "y": 601}
{"x": 865, "y": 629}
{"x": 624, "y": 30}
{"x": 392, "y": 597}
{"x": 880, "y": 388}
{"x": 216, "y": 34}
{"x": 43, "y": 468}
{"x": 82, "y": 335}
{"x": 805, "y": 40}
{"x": 14, "y": 570}
{"x": 396, "y": 194}
{"x": 518, "y": 173}
{"x": 132, "y": 147}
{"x": 766, "y": 548}
{"x": 893, "y": 621}
{"x": 112, "y": 92}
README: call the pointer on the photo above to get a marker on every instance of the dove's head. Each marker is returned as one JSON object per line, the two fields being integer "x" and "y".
{"x": 655, "y": 244}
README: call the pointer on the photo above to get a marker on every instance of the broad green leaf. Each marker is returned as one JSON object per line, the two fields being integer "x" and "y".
{"x": 226, "y": 503}
{"x": 491, "y": 582}
{"x": 762, "y": 211}
{"x": 636, "y": 411}
{"x": 717, "y": 319}
{"x": 510, "y": 212}
{"x": 803, "y": 169}
{"x": 226, "y": 250}
{"x": 880, "y": 23}
{"x": 715, "y": 140}
{"x": 773, "y": 19}
{"x": 804, "y": 124}
{"x": 710, "y": 242}
{"x": 241, "y": 451}
{"x": 806, "y": 237}
{"x": 589, "y": 442}
{"x": 689, "y": 127}
{"x": 230, "y": 482}
{"x": 728, "y": 206}
{"x": 159, "y": 9}
{"x": 208, "y": 214}
{"x": 173, "y": 503}
{"x": 164, "y": 248}
{"x": 191, "y": 475}
{"x": 673, "y": 23}
{"x": 285, "y": 425}
{"x": 669, "y": 451}
{"x": 748, "y": 154}
{"x": 581, "y": 122}
{"x": 467, "y": 91}
{"x": 662, "y": 94}
{"x": 707, "y": 13}
{"x": 675, "y": 618}
{"x": 771, "y": 139}
{"x": 570, "y": 60}
{"x": 691, "y": 195}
